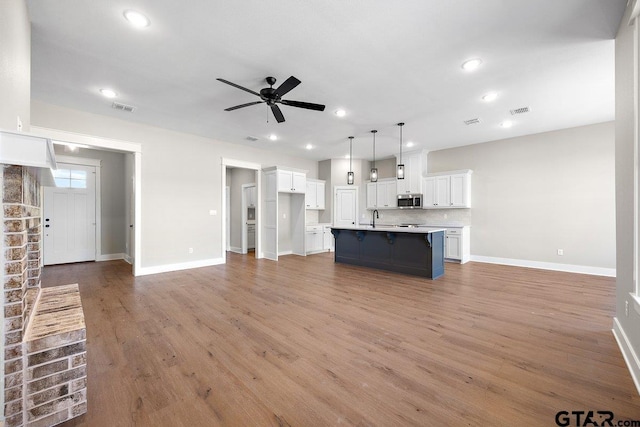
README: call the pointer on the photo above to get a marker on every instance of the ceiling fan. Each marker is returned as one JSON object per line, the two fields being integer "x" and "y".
{"x": 274, "y": 96}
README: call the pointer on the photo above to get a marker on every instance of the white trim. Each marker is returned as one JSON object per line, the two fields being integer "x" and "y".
{"x": 236, "y": 250}
{"x": 570, "y": 268}
{"x": 79, "y": 161}
{"x": 630, "y": 356}
{"x": 144, "y": 271}
{"x": 127, "y": 258}
{"x": 110, "y": 257}
{"x": 137, "y": 210}
{"x": 92, "y": 141}
{"x": 285, "y": 253}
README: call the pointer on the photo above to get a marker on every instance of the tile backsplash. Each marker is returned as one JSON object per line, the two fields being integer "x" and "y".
{"x": 421, "y": 216}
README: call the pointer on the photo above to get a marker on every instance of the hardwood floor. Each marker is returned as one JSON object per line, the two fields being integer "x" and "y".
{"x": 306, "y": 342}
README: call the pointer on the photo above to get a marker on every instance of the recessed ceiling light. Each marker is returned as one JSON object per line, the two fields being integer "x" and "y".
{"x": 308, "y": 146}
{"x": 410, "y": 144}
{"x": 340, "y": 112}
{"x": 506, "y": 124}
{"x": 273, "y": 137}
{"x": 490, "y": 97}
{"x": 109, "y": 93}
{"x": 136, "y": 19}
{"x": 471, "y": 64}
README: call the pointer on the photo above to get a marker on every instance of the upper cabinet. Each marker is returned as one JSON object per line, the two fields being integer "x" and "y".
{"x": 382, "y": 194}
{"x": 250, "y": 196}
{"x": 315, "y": 194}
{"x": 291, "y": 181}
{"x": 413, "y": 167}
{"x": 447, "y": 190}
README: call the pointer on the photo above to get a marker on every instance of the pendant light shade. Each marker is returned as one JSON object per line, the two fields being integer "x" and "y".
{"x": 350, "y": 175}
{"x": 400, "y": 171}
{"x": 373, "y": 176}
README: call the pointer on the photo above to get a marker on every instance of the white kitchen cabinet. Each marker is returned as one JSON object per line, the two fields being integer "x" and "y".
{"x": 327, "y": 238}
{"x": 412, "y": 182}
{"x": 447, "y": 190}
{"x": 457, "y": 244}
{"x": 283, "y": 231}
{"x": 314, "y": 239}
{"x": 291, "y": 181}
{"x": 250, "y": 196}
{"x": 315, "y": 194}
{"x": 382, "y": 194}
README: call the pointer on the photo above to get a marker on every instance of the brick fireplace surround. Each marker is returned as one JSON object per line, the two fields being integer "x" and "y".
{"x": 43, "y": 330}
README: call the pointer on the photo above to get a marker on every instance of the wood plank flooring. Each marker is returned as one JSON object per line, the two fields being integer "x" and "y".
{"x": 306, "y": 342}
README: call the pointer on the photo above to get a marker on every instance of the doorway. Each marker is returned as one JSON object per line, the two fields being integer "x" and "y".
{"x": 241, "y": 200}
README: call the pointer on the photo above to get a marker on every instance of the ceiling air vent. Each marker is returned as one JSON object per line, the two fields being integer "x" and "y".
{"x": 472, "y": 121}
{"x": 123, "y": 107}
{"x": 520, "y": 110}
{"x": 251, "y": 138}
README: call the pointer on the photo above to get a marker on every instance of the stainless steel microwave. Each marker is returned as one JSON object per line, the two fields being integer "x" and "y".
{"x": 409, "y": 201}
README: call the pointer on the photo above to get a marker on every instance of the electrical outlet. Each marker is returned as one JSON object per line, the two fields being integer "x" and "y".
{"x": 445, "y": 216}
{"x": 190, "y": 250}
{"x": 19, "y": 125}
{"x": 626, "y": 308}
{"x": 284, "y": 216}
{"x": 560, "y": 252}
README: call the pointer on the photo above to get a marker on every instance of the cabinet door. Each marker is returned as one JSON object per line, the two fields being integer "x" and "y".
{"x": 372, "y": 195}
{"x": 443, "y": 191}
{"x": 453, "y": 247}
{"x": 390, "y": 195}
{"x": 299, "y": 182}
{"x": 459, "y": 190}
{"x": 310, "y": 196}
{"x": 285, "y": 181}
{"x": 320, "y": 195}
{"x": 327, "y": 244}
{"x": 413, "y": 175}
{"x": 430, "y": 193}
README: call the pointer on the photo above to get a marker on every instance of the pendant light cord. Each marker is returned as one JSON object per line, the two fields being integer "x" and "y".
{"x": 401, "y": 125}
{"x": 374, "y": 147}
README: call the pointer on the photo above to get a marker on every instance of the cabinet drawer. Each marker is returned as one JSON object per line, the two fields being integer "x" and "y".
{"x": 453, "y": 232}
{"x": 311, "y": 228}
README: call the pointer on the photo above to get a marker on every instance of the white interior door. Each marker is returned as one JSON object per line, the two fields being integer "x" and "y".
{"x": 346, "y": 207}
{"x": 70, "y": 216}
{"x": 227, "y": 220}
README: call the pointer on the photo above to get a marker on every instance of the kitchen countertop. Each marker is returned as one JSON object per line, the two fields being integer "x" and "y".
{"x": 391, "y": 228}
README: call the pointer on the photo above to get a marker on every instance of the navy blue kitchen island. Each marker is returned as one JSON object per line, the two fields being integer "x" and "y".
{"x": 415, "y": 251}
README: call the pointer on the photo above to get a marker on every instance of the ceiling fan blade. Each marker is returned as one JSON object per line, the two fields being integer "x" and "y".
{"x": 299, "y": 104}
{"x": 277, "y": 113}
{"x": 238, "y": 86}
{"x": 288, "y": 84}
{"x": 243, "y": 105}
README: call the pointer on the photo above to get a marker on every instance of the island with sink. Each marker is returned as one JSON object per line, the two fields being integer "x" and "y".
{"x": 411, "y": 250}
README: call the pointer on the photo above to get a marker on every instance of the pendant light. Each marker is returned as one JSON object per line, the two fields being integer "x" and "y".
{"x": 350, "y": 175}
{"x": 400, "y": 171}
{"x": 373, "y": 176}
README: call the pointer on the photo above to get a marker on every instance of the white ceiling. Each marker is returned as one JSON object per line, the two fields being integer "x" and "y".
{"x": 382, "y": 61}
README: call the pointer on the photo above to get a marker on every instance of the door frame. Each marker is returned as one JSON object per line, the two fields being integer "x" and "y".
{"x": 97, "y": 163}
{"x": 110, "y": 145}
{"x": 256, "y": 167}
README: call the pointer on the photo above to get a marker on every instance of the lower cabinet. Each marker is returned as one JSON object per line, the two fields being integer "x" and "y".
{"x": 318, "y": 238}
{"x": 457, "y": 244}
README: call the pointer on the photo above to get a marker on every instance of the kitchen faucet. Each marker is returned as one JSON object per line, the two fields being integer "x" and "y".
{"x": 374, "y": 215}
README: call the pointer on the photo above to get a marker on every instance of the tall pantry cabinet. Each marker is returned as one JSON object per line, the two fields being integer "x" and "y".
{"x": 284, "y": 214}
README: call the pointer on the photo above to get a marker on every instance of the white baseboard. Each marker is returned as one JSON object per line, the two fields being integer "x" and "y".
{"x": 285, "y": 253}
{"x": 128, "y": 259}
{"x": 236, "y": 250}
{"x": 110, "y": 257}
{"x": 180, "y": 266}
{"x": 630, "y": 356}
{"x": 570, "y": 268}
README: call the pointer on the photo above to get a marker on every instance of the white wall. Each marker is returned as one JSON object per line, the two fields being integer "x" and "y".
{"x": 535, "y": 194}
{"x": 15, "y": 64}
{"x": 181, "y": 181}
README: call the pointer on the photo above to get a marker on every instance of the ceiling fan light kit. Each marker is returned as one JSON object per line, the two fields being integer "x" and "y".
{"x": 272, "y": 97}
